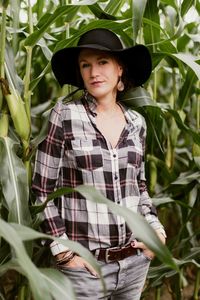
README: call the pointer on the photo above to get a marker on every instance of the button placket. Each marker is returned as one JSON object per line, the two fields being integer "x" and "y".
{"x": 116, "y": 180}
{"x": 116, "y": 167}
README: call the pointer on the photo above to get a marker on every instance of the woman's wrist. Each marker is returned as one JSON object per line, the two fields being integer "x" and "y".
{"x": 64, "y": 257}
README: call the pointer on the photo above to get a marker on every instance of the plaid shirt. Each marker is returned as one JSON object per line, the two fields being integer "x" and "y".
{"x": 74, "y": 153}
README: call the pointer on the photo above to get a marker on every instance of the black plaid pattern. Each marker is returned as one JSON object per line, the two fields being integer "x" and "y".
{"x": 73, "y": 153}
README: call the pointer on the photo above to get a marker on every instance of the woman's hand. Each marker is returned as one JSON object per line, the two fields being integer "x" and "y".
{"x": 79, "y": 262}
{"x": 147, "y": 252}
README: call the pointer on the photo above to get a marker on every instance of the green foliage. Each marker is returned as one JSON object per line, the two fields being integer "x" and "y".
{"x": 170, "y": 105}
{"x": 14, "y": 183}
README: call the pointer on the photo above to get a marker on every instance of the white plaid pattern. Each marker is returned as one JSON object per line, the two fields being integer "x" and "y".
{"x": 75, "y": 152}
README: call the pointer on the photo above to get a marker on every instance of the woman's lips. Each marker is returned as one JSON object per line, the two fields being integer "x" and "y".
{"x": 96, "y": 83}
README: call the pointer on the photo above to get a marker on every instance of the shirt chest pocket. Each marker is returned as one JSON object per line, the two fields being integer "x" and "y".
{"x": 87, "y": 154}
{"x": 135, "y": 153}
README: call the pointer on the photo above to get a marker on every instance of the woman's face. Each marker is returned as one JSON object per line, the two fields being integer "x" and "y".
{"x": 100, "y": 73}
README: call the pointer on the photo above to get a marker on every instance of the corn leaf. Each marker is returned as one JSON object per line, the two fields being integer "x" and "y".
{"x": 187, "y": 177}
{"x": 136, "y": 222}
{"x": 32, "y": 39}
{"x": 38, "y": 285}
{"x": 139, "y": 226}
{"x": 59, "y": 285}
{"x": 28, "y": 234}
{"x": 137, "y": 97}
{"x": 14, "y": 182}
{"x": 114, "y": 6}
{"x": 186, "y": 5}
{"x": 10, "y": 63}
{"x": 109, "y": 24}
{"x": 189, "y": 60}
{"x": 184, "y": 127}
{"x": 44, "y": 283}
{"x": 151, "y": 33}
{"x": 187, "y": 89}
{"x": 100, "y": 14}
{"x": 138, "y": 8}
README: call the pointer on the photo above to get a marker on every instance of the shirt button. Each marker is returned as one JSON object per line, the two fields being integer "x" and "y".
{"x": 121, "y": 225}
{"x": 114, "y": 155}
{"x": 116, "y": 177}
{"x": 118, "y": 202}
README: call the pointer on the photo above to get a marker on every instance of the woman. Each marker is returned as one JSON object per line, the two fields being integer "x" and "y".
{"x": 97, "y": 141}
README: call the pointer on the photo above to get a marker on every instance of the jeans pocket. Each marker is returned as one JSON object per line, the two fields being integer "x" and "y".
{"x": 146, "y": 257}
{"x": 70, "y": 269}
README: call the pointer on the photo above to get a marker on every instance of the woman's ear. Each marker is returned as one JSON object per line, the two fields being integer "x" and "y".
{"x": 120, "y": 71}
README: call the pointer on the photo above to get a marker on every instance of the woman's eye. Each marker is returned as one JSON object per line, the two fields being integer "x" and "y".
{"x": 85, "y": 65}
{"x": 103, "y": 62}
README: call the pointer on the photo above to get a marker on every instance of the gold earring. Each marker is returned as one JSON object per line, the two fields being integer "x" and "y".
{"x": 120, "y": 85}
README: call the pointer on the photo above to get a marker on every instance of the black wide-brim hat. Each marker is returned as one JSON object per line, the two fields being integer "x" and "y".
{"x": 136, "y": 59}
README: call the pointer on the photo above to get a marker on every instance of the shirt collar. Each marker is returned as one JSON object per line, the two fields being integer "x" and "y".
{"x": 90, "y": 103}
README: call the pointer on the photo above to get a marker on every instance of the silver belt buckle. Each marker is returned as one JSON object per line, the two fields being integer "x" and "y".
{"x": 107, "y": 256}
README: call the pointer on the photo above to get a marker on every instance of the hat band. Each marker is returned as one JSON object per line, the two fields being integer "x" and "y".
{"x": 96, "y": 47}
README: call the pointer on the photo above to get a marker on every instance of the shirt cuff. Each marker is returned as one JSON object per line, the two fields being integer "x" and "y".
{"x": 57, "y": 248}
{"x": 162, "y": 231}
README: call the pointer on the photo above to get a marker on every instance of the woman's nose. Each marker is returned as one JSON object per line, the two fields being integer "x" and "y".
{"x": 94, "y": 71}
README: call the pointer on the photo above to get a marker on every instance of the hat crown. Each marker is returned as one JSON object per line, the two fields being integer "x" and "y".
{"x": 102, "y": 37}
{"x": 136, "y": 59}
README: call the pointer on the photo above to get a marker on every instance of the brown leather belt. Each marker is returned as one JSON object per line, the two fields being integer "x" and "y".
{"x": 115, "y": 254}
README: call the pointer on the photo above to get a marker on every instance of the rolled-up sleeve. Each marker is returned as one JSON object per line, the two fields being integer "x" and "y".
{"x": 46, "y": 172}
{"x": 146, "y": 207}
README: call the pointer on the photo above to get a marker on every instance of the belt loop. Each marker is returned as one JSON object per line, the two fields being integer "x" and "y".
{"x": 96, "y": 253}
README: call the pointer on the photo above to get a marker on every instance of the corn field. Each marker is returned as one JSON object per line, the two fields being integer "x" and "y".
{"x": 30, "y": 32}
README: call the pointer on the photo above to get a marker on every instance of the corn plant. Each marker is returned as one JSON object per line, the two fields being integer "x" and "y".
{"x": 31, "y": 31}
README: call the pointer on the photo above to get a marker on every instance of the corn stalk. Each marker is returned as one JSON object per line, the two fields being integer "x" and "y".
{"x": 27, "y": 92}
{"x": 4, "y": 120}
{"x": 196, "y": 147}
{"x": 197, "y": 285}
{"x": 19, "y": 111}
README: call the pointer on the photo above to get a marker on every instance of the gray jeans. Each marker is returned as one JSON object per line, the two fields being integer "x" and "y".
{"x": 124, "y": 280}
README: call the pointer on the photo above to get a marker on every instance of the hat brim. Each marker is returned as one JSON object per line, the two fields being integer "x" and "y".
{"x": 137, "y": 60}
